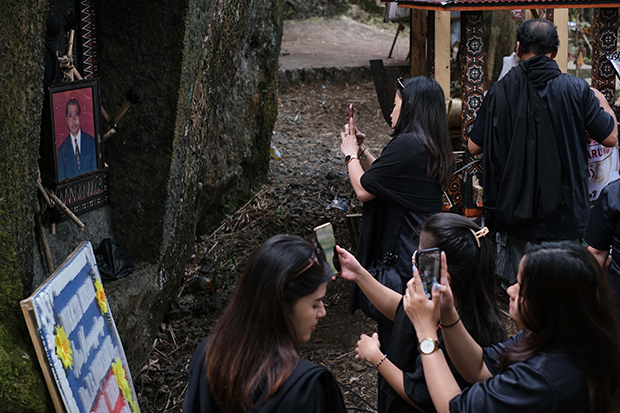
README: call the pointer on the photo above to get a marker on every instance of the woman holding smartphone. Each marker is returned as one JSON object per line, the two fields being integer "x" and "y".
{"x": 251, "y": 361}
{"x": 566, "y": 358}
{"x": 471, "y": 265}
{"x": 399, "y": 189}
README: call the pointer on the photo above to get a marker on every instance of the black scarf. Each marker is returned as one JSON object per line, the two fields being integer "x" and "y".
{"x": 522, "y": 171}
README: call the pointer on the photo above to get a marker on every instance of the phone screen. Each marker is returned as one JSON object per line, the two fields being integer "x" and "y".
{"x": 325, "y": 239}
{"x": 428, "y": 262}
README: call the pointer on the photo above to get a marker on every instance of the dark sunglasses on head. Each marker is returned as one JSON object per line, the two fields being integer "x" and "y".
{"x": 313, "y": 260}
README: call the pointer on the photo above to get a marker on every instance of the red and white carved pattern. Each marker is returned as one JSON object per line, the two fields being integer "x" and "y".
{"x": 89, "y": 50}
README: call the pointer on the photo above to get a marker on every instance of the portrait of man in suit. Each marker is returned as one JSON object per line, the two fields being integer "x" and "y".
{"x": 78, "y": 152}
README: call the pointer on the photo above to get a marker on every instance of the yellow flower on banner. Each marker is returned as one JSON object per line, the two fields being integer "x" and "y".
{"x": 134, "y": 406}
{"x": 123, "y": 384}
{"x": 63, "y": 347}
{"x": 102, "y": 301}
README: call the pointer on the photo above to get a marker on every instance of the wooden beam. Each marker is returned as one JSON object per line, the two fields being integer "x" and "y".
{"x": 418, "y": 43}
{"x": 560, "y": 19}
{"x": 442, "y": 50}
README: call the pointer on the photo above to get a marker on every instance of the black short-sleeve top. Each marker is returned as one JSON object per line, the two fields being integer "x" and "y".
{"x": 548, "y": 382}
{"x": 604, "y": 228}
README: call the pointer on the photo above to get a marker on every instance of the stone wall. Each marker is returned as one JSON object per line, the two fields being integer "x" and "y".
{"x": 205, "y": 73}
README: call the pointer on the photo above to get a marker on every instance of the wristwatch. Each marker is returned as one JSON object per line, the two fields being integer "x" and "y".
{"x": 428, "y": 346}
{"x": 349, "y": 158}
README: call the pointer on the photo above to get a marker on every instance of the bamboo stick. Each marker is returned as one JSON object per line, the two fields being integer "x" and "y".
{"x": 120, "y": 112}
{"x": 66, "y": 210}
{"x": 42, "y": 190}
{"x": 46, "y": 247}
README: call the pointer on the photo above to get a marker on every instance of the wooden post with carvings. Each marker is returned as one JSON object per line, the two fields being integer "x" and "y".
{"x": 472, "y": 92}
{"x": 605, "y": 42}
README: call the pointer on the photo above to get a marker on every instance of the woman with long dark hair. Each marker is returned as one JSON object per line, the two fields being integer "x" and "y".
{"x": 566, "y": 358}
{"x": 399, "y": 189}
{"x": 250, "y": 362}
{"x": 471, "y": 265}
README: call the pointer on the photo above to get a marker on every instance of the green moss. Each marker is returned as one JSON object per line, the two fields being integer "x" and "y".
{"x": 22, "y": 388}
{"x": 21, "y": 385}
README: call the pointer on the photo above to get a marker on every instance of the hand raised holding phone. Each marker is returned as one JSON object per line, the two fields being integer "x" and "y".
{"x": 359, "y": 136}
{"x": 324, "y": 237}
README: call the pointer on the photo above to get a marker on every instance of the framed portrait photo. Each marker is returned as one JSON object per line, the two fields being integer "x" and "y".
{"x": 76, "y": 129}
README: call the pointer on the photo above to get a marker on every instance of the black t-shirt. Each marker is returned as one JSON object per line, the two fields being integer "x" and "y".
{"x": 405, "y": 197}
{"x": 404, "y": 354}
{"x": 309, "y": 389}
{"x": 546, "y": 383}
{"x": 604, "y": 228}
{"x": 574, "y": 109}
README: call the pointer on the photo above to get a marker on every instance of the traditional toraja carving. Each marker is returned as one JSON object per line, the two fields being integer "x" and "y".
{"x": 89, "y": 50}
{"x": 550, "y": 15}
{"x": 605, "y": 42}
{"x": 472, "y": 80}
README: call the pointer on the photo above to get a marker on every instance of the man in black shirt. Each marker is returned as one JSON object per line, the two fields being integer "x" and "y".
{"x": 532, "y": 130}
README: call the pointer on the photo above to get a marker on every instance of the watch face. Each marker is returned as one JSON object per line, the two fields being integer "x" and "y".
{"x": 347, "y": 158}
{"x": 427, "y": 346}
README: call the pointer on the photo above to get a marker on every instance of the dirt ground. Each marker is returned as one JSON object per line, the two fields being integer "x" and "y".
{"x": 298, "y": 196}
{"x": 340, "y": 42}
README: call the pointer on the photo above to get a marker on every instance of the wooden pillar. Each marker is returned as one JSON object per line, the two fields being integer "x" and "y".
{"x": 430, "y": 43}
{"x": 528, "y": 15}
{"x": 442, "y": 50}
{"x": 418, "y": 42}
{"x": 560, "y": 19}
{"x": 472, "y": 91}
{"x": 605, "y": 42}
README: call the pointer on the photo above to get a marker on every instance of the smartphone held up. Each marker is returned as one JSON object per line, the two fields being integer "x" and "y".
{"x": 428, "y": 262}
{"x": 324, "y": 237}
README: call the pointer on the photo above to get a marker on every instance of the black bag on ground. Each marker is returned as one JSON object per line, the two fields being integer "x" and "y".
{"x": 113, "y": 260}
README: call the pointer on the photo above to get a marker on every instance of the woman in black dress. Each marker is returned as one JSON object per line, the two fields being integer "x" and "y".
{"x": 566, "y": 358}
{"x": 399, "y": 189}
{"x": 471, "y": 266}
{"x": 251, "y": 362}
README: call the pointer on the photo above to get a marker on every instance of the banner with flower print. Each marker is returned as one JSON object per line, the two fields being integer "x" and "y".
{"x": 77, "y": 342}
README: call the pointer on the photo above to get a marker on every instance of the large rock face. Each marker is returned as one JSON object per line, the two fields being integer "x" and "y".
{"x": 205, "y": 73}
{"x": 22, "y": 27}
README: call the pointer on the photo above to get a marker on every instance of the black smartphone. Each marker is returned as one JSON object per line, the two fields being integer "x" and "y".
{"x": 428, "y": 262}
{"x": 324, "y": 236}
